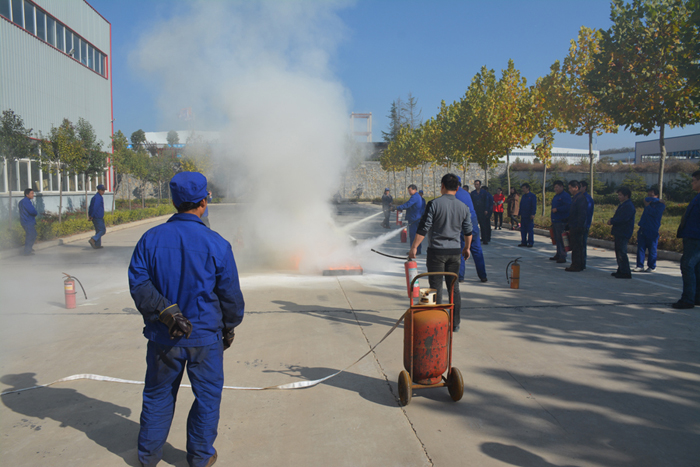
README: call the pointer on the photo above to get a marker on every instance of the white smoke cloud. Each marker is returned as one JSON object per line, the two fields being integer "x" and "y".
{"x": 260, "y": 72}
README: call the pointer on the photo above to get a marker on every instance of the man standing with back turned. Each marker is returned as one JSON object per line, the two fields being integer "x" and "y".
{"x": 96, "y": 213}
{"x": 447, "y": 219}
{"x": 528, "y": 209}
{"x": 184, "y": 281}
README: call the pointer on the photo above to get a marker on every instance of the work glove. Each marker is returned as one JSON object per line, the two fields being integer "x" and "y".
{"x": 176, "y": 322}
{"x": 229, "y": 334}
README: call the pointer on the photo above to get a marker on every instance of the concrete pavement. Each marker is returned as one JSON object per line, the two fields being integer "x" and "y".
{"x": 572, "y": 369}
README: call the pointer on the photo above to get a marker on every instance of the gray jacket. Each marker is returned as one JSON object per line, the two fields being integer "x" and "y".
{"x": 446, "y": 218}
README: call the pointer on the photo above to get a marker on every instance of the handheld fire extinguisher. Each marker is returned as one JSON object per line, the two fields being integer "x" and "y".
{"x": 565, "y": 241}
{"x": 398, "y": 222}
{"x": 514, "y": 279}
{"x": 404, "y": 235}
{"x": 69, "y": 290}
{"x": 411, "y": 268}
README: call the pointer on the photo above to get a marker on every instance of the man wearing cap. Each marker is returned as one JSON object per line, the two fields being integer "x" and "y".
{"x": 386, "y": 207}
{"x": 27, "y": 217}
{"x": 96, "y": 213}
{"x": 184, "y": 281}
{"x": 413, "y": 213}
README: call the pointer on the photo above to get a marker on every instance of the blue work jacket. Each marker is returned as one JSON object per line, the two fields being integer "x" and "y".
{"x": 479, "y": 201}
{"x": 412, "y": 207}
{"x": 464, "y": 196}
{"x": 562, "y": 203}
{"x": 578, "y": 213}
{"x": 27, "y": 212}
{"x": 184, "y": 262}
{"x": 422, "y": 206}
{"x": 591, "y": 208}
{"x": 690, "y": 224}
{"x": 650, "y": 222}
{"x": 97, "y": 207}
{"x": 488, "y": 202}
{"x": 623, "y": 220}
{"x": 528, "y": 206}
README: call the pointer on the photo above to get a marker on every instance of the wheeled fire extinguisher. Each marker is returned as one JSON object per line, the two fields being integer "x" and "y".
{"x": 565, "y": 241}
{"x": 70, "y": 292}
{"x": 514, "y": 278}
{"x": 411, "y": 268}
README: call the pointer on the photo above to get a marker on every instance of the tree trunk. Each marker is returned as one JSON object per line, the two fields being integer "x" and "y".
{"x": 486, "y": 175}
{"x": 434, "y": 187}
{"x": 508, "y": 169}
{"x": 544, "y": 188}
{"x": 60, "y": 196}
{"x": 662, "y": 160}
{"x": 464, "y": 173}
{"x": 115, "y": 188}
{"x": 591, "y": 191}
{"x": 128, "y": 193}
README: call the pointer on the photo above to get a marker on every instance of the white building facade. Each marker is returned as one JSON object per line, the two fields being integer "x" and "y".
{"x": 55, "y": 63}
{"x": 572, "y": 156}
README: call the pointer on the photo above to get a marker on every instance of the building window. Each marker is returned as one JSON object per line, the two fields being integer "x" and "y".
{"x": 3, "y": 188}
{"x": 60, "y": 38}
{"x": 83, "y": 52}
{"x": 29, "y": 17}
{"x": 23, "y": 175}
{"x": 17, "y": 16}
{"x": 5, "y": 11}
{"x": 53, "y": 182}
{"x": 91, "y": 57}
{"x": 36, "y": 176}
{"x": 41, "y": 25}
{"x": 51, "y": 31}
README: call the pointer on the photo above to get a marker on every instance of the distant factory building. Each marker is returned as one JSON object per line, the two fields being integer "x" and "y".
{"x": 571, "y": 156}
{"x": 55, "y": 63}
{"x": 678, "y": 147}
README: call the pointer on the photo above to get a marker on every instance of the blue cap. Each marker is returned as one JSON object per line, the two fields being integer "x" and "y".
{"x": 459, "y": 179}
{"x": 420, "y": 192}
{"x": 386, "y": 189}
{"x": 188, "y": 187}
{"x": 100, "y": 187}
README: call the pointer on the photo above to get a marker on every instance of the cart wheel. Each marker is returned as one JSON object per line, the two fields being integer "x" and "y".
{"x": 455, "y": 384}
{"x": 404, "y": 388}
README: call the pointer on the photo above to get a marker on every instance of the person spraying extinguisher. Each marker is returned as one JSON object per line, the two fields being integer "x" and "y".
{"x": 413, "y": 212}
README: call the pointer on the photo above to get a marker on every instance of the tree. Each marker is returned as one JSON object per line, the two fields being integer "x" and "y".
{"x": 411, "y": 115}
{"x": 544, "y": 118}
{"x": 60, "y": 151}
{"x": 638, "y": 75}
{"x": 196, "y": 155}
{"x": 15, "y": 144}
{"x": 122, "y": 160}
{"x": 579, "y": 110}
{"x": 173, "y": 138}
{"x": 396, "y": 121}
{"x": 139, "y": 167}
{"x": 138, "y": 139}
{"x": 94, "y": 159}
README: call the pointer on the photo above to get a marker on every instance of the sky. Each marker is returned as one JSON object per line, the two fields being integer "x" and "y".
{"x": 378, "y": 51}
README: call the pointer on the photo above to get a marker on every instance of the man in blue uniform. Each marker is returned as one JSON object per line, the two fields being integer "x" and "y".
{"x": 184, "y": 281}
{"x": 413, "y": 213}
{"x": 589, "y": 218}
{"x": 27, "y": 217}
{"x": 423, "y": 203}
{"x": 488, "y": 211}
{"x": 577, "y": 226}
{"x": 386, "y": 207}
{"x": 648, "y": 233}
{"x": 622, "y": 229}
{"x": 689, "y": 231}
{"x": 96, "y": 213}
{"x": 475, "y": 248}
{"x": 479, "y": 199}
{"x": 528, "y": 209}
{"x": 561, "y": 203}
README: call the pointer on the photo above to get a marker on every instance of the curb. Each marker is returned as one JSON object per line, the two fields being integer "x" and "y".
{"x": 661, "y": 254}
{"x": 81, "y": 236}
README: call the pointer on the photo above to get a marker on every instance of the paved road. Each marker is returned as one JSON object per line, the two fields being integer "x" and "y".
{"x": 570, "y": 370}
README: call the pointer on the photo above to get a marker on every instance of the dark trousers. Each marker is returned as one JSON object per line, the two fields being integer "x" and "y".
{"x": 387, "y": 212}
{"x": 585, "y": 247}
{"x": 527, "y": 231}
{"x": 690, "y": 270}
{"x": 577, "y": 248}
{"x": 643, "y": 243}
{"x": 485, "y": 227}
{"x": 29, "y": 237}
{"x": 513, "y": 222}
{"x": 498, "y": 220}
{"x": 477, "y": 256}
{"x": 165, "y": 367}
{"x": 412, "y": 230}
{"x": 559, "y": 228}
{"x": 623, "y": 262}
{"x": 444, "y": 263}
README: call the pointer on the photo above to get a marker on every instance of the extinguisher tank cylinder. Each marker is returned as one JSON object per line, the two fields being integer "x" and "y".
{"x": 411, "y": 268}
{"x": 70, "y": 293}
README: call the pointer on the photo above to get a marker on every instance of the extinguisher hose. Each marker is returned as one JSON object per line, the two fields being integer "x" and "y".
{"x": 81, "y": 285}
{"x": 508, "y": 265}
{"x": 389, "y": 256}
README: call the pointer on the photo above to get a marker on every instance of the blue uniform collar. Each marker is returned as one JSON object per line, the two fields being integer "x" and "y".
{"x": 185, "y": 217}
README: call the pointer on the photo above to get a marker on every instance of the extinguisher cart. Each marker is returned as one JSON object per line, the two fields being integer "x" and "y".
{"x": 428, "y": 347}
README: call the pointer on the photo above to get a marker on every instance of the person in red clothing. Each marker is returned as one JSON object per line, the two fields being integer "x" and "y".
{"x": 498, "y": 200}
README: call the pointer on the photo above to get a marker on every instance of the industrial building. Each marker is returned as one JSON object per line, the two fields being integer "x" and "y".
{"x": 678, "y": 147}
{"x": 55, "y": 63}
{"x": 569, "y": 155}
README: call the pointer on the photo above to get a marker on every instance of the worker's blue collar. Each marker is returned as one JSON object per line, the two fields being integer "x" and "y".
{"x": 185, "y": 216}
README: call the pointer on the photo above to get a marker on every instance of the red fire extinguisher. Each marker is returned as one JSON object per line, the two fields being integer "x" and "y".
{"x": 565, "y": 241}
{"x": 70, "y": 292}
{"x": 411, "y": 268}
{"x": 514, "y": 279}
{"x": 398, "y": 222}
{"x": 404, "y": 235}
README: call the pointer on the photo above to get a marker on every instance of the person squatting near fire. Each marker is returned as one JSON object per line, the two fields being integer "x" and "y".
{"x": 528, "y": 209}
{"x": 386, "y": 207}
{"x": 447, "y": 219}
{"x": 184, "y": 281}
{"x": 561, "y": 204}
{"x": 578, "y": 214}
{"x": 96, "y": 213}
{"x": 413, "y": 212}
{"x": 622, "y": 229}
{"x": 648, "y": 233}
{"x": 27, "y": 218}
{"x": 476, "y": 253}
{"x": 689, "y": 231}
{"x": 498, "y": 200}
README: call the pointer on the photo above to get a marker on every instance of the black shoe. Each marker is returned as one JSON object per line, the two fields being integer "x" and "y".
{"x": 614, "y": 274}
{"x": 456, "y": 328}
{"x": 461, "y": 279}
{"x": 554, "y": 258}
{"x": 681, "y": 305}
{"x": 573, "y": 269}
{"x": 561, "y": 260}
{"x": 483, "y": 279}
{"x": 484, "y": 243}
{"x": 92, "y": 243}
{"x": 623, "y": 276}
{"x": 530, "y": 246}
{"x": 522, "y": 244}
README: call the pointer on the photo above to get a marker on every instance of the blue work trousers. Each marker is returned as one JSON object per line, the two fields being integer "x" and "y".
{"x": 165, "y": 367}
{"x": 29, "y": 238}
{"x": 100, "y": 230}
{"x": 559, "y": 228}
{"x": 527, "y": 231}
{"x": 445, "y": 263}
{"x": 477, "y": 256}
{"x": 412, "y": 230}
{"x": 690, "y": 270}
{"x": 644, "y": 243}
{"x": 623, "y": 262}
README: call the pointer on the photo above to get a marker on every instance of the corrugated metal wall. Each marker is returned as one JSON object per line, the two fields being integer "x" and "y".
{"x": 43, "y": 85}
